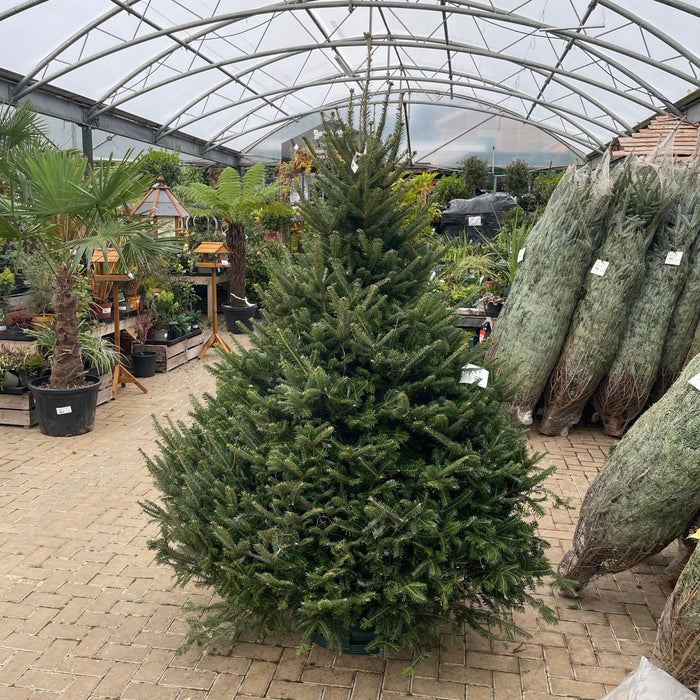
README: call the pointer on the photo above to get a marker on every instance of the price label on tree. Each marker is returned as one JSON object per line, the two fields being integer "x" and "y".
{"x": 521, "y": 255}
{"x": 674, "y": 257}
{"x": 695, "y": 382}
{"x": 473, "y": 374}
{"x": 599, "y": 267}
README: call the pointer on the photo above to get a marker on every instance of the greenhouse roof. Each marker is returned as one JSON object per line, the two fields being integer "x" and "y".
{"x": 216, "y": 78}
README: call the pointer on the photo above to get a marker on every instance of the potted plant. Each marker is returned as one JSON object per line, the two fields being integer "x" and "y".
{"x": 164, "y": 308}
{"x": 493, "y": 298}
{"x": 234, "y": 200}
{"x": 37, "y": 274}
{"x": 143, "y": 362}
{"x": 70, "y": 209}
{"x": 7, "y": 284}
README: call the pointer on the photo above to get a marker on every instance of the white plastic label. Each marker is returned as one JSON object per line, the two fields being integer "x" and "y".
{"x": 473, "y": 374}
{"x": 674, "y": 257}
{"x": 695, "y": 382}
{"x": 63, "y": 410}
{"x": 474, "y": 221}
{"x": 521, "y": 255}
{"x": 599, "y": 267}
{"x": 106, "y": 310}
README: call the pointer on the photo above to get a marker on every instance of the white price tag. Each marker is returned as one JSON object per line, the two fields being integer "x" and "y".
{"x": 106, "y": 309}
{"x": 63, "y": 410}
{"x": 521, "y": 255}
{"x": 599, "y": 267}
{"x": 474, "y": 221}
{"x": 473, "y": 374}
{"x": 695, "y": 382}
{"x": 674, "y": 257}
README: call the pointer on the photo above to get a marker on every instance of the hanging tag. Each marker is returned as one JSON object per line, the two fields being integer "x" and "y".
{"x": 63, "y": 410}
{"x": 354, "y": 166}
{"x": 521, "y": 255}
{"x": 599, "y": 267}
{"x": 695, "y": 382}
{"x": 130, "y": 275}
{"x": 674, "y": 257}
{"x": 473, "y": 374}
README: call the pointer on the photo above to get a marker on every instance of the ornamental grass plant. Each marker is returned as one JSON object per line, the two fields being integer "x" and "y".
{"x": 341, "y": 475}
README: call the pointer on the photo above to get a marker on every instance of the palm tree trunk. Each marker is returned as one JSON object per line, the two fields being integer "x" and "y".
{"x": 66, "y": 363}
{"x": 235, "y": 240}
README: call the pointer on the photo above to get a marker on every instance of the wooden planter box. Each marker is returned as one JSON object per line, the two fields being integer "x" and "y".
{"x": 17, "y": 408}
{"x": 170, "y": 355}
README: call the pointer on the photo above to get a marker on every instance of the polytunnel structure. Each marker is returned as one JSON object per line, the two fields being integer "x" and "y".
{"x": 218, "y": 78}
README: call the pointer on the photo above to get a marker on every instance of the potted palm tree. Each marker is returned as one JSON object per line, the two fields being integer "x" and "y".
{"x": 234, "y": 200}
{"x": 69, "y": 210}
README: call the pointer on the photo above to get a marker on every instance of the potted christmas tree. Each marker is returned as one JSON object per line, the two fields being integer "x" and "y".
{"x": 342, "y": 480}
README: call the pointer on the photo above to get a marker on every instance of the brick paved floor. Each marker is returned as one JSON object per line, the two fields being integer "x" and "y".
{"x": 86, "y": 613}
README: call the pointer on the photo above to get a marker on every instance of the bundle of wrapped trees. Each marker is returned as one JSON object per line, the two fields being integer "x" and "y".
{"x": 678, "y": 639}
{"x": 638, "y": 204}
{"x": 622, "y": 394}
{"x": 647, "y": 493}
{"x": 532, "y": 328}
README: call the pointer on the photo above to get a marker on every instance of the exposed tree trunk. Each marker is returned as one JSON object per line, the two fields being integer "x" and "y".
{"x": 66, "y": 362}
{"x": 235, "y": 240}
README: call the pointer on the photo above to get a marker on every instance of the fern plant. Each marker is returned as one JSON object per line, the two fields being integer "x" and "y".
{"x": 234, "y": 200}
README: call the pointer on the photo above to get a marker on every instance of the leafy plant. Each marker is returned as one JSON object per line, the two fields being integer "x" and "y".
{"x": 517, "y": 178}
{"x": 475, "y": 173}
{"x": 7, "y": 284}
{"x": 449, "y": 188}
{"x": 234, "y": 200}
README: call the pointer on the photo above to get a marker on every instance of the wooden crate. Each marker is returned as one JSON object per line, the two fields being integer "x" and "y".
{"x": 17, "y": 409}
{"x": 170, "y": 356}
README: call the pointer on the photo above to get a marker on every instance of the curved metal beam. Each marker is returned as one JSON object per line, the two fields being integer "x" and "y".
{"x": 20, "y": 8}
{"x": 559, "y": 135}
{"x": 67, "y": 43}
{"x": 479, "y": 82}
{"x": 482, "y": 11}
{"x": 540, "y": 68}
{"x": 493, "y": 87}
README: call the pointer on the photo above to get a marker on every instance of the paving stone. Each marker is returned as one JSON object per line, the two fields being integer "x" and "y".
{"x": 85, "y": 612}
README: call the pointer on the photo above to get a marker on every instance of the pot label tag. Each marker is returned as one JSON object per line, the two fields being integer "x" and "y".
{"x": 695, "y": 382}
{"x": 473, "y": 374}
{"x": 674, "y": 257}
{"x": 521, "y": 255}
{"x": 599, "y": 267}
{"x": 107, "y": 310}
{"x": 474, "y": 221}
{"x": 62, "y": 410}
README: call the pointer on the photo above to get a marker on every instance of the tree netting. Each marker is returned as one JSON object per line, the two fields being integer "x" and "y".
{"x": 678, "y": 638}
{"x": 682, "y": 327}
{"x": 594, "y": 334}
{"x": 648, "y": 491}
{"x": 623, "y": 393}
{"x": 532, "y": 327}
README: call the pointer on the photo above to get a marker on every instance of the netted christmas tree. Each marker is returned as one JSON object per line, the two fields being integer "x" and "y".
{"x": 342, "y": 475}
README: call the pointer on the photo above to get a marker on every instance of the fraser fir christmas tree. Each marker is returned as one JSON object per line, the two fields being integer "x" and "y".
{"x": 342, "y": 475}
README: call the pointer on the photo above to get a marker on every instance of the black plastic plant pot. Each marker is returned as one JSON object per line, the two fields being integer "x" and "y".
{"x": 356, "y": 643}
{"x": 236, "y": 315}
{"x": 143, "y": 364}
{"x": 492, "y": 310}
{"x": 65, "y": 412}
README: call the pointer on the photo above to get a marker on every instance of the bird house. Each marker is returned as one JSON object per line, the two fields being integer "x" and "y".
{"x": 214, "y": 254}
{"x": 167, "y": 211}
{"x": 104, "y": 272}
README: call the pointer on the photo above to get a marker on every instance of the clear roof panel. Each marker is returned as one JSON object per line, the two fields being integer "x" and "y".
{"x": 246, "y": 73}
